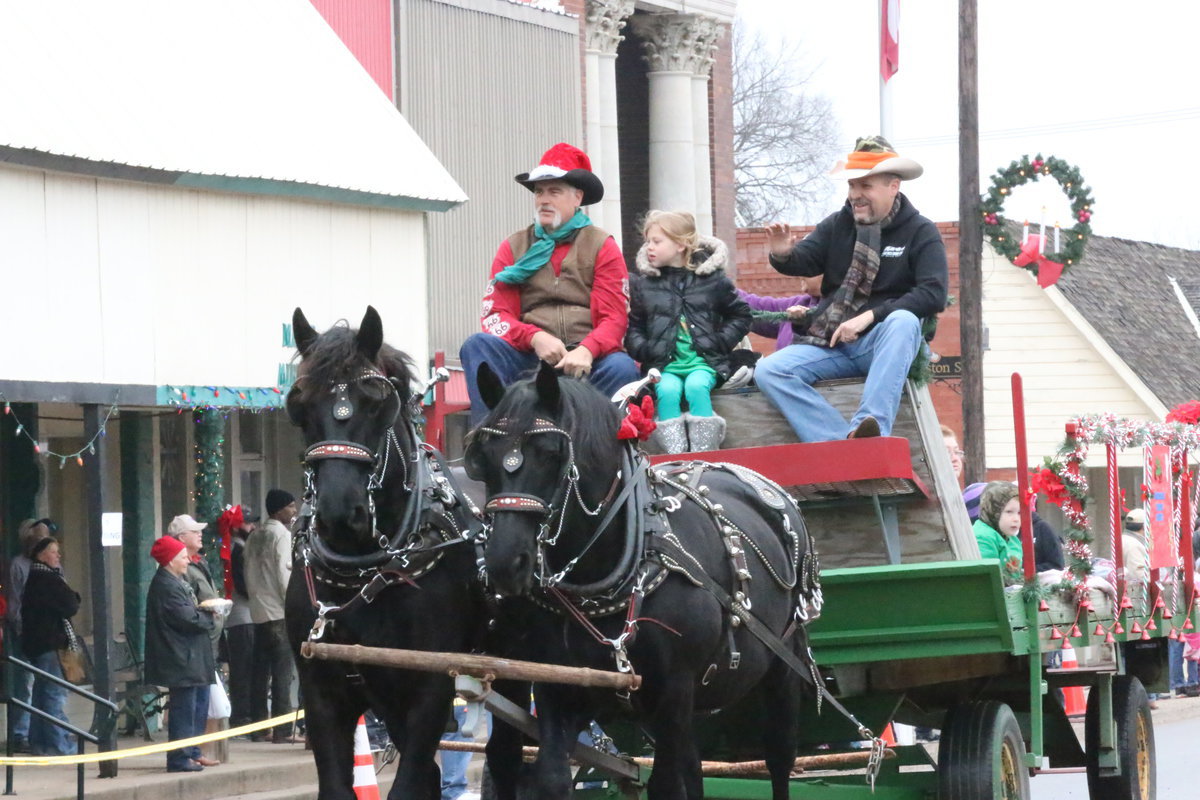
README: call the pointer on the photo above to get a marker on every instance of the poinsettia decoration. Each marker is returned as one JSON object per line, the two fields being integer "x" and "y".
{"x": 1187, "y": 413}
{"x": 639, "y": 420}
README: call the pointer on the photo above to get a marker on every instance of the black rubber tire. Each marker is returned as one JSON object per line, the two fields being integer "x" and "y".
{"x": 1135, "y": 743}
{"x": 981, "y": 754}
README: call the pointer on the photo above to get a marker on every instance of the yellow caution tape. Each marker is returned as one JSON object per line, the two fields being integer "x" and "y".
{"x": 150, "y": 749}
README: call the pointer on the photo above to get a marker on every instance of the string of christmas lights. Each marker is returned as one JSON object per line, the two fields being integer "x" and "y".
{"x": 63, "y": 458}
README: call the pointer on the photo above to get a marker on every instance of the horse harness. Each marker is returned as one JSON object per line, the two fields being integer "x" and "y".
{"x": 650, "y": 497}
{"x": 439, "y": 515}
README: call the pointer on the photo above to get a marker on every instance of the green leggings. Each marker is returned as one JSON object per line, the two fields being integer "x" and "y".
{"x": 695, "y": 386}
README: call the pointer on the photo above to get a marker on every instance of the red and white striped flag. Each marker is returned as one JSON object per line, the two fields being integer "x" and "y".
{"x": 889, "y": 39}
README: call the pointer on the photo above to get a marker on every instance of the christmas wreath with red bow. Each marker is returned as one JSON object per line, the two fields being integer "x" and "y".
{"x": 1028, "y": 251}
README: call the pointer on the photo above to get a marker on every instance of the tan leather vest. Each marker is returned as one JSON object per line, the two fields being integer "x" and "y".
{"x": 561, "y": 304}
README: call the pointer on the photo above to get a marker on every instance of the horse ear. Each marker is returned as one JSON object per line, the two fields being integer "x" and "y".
{"x": 303, "y": 333}
{"x": 490, "y": 387}
{"x": 370, "y": 334}
{"x": 548, "y": 392}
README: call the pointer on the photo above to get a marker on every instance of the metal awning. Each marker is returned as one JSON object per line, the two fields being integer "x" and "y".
{"x": 259, "y": 97}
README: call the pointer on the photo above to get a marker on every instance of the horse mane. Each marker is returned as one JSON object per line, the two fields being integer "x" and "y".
{"x": 585, "y": 413}
{"x": 335, "y": 355}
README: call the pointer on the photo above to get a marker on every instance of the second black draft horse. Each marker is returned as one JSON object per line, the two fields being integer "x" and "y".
{"x": 597, "y": 560}
{"x": 383, "y": 556}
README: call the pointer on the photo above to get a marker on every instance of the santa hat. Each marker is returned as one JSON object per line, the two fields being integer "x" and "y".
{"x": 566, "y": 163}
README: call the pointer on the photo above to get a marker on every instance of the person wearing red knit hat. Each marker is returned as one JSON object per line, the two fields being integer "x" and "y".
{"x": 558, "y": 291}
{"x": 178, "y": 653}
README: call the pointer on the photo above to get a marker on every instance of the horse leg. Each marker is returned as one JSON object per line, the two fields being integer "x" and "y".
{"x": 676, "y": 774}
{"x": 332, "y": 716}
{"x": 504, "y": 744}
{"x": 559, "y": 725}
{"x": 417, "y": 734}
{"x": 783, "y": 695}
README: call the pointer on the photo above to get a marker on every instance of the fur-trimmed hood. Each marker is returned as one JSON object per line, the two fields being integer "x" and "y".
{"x": 711, "y": 255}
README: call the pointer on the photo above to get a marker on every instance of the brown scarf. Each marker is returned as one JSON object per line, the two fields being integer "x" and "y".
{"x": 852, "y": 295}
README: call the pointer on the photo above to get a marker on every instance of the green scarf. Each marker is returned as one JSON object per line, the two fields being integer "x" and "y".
{"x": 538, "y": 254}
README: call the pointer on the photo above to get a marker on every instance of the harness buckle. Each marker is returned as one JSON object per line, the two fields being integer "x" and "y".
{"x": 318, "y": 628}
{"x": 622, "y": 658}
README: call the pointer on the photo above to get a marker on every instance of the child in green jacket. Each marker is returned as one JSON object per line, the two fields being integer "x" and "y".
{"x": 998, "y": 527}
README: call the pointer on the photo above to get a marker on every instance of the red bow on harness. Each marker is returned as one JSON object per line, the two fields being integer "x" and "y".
{"x": 639, "y": 420}
{"x": 1048, "y": 271}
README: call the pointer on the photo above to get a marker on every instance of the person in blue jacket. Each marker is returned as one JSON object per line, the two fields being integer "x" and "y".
{"x": 883, "y": 270}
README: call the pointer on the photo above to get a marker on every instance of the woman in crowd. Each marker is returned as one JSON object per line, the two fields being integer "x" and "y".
{"x": 47, "y": 606}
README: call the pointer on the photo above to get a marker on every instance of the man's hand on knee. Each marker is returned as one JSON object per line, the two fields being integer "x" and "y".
{"x": 549, "y": 348}
{"x": 577, "y": 363}
{"x": 852, "y": 328}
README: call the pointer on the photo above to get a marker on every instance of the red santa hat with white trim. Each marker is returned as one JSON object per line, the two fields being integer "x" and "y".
{"x": 566, "y": 163}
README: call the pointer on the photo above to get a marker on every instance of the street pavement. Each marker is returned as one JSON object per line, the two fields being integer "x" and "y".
{"x": 1176, "y": 732}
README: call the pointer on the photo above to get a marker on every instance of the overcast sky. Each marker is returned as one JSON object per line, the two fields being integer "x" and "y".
{"x": 1106, "y": 85}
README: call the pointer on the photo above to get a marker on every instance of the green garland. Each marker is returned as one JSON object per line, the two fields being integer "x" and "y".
{"x": 1018, "y": 173}
{"x": 210, "y": 471}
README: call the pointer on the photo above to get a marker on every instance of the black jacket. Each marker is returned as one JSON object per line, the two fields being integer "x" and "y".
{"x": 912, "y": 266}
{"x": 178, "y": 652}
{"x": 46, "y": 602}
{"x": 1047, "y": 547}
{"x": 717, "y": 318}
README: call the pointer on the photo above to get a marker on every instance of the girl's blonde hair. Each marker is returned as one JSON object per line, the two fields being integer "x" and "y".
{"x": 679, "y": 227}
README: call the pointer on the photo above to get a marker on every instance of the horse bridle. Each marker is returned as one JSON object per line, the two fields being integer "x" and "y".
{"x": 567, "y": 487}
{"x": 379, "y": 459}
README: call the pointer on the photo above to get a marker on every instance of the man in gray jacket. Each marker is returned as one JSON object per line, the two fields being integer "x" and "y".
{"x": 268, "y": 570}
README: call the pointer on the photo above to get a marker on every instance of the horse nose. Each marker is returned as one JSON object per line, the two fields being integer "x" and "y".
{"x": 358, "y": 518}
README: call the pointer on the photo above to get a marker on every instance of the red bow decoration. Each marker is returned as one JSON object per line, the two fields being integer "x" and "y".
{"x": 231, "y": 518}
{"x": 1048, "y": 271}
{"x": 639, "y": 420}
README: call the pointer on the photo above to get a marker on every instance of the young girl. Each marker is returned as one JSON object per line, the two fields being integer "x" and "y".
{"x": 684, "y": 318}
{"x": 998, "y": 527}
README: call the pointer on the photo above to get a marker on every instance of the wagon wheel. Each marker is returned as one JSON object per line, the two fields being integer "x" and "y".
{"x": 981, "y": 754}
{"x": 1135, "y": 743}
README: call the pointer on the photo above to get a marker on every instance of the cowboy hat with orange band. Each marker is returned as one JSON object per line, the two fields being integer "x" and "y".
{"x": 873, "y": 155}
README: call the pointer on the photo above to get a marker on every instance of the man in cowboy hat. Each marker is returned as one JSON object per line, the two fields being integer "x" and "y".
{"x": 883, "y": 269}
{"x": 558, "y": 289}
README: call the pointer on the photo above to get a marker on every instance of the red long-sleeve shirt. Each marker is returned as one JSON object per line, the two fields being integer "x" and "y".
{"x": 501, "y": 312}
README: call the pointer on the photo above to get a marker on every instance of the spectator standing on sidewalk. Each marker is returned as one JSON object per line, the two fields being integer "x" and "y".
{"x": 179, "y": 652}
{"x": 29, "y": 533}
{"x": 47, "y": 606}
{"x": 188, "y": 530}
{"x": 239, "y": 627}
{"x": 268, "y": 570}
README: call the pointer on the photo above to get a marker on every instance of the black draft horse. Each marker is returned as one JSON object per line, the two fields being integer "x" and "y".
{"x": 383, "y": 556}
{"x": 555, "y": 473}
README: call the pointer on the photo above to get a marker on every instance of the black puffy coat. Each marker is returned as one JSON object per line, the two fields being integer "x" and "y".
{"x": 717, "y": 318}
{"x": 46, "y": 602}
{"x": 178, "y": 651}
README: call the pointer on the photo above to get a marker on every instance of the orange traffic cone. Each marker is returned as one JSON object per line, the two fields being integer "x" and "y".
{"x": 889, "y": 736}
{"x": 1073, "y": 701}
{"x": 365, "y": 786}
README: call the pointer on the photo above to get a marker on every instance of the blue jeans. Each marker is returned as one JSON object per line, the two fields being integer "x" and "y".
{"x": 187, "y": 716}
{"x": 608, "y": 373}
{"x": 883, "y": 355}
{"x": 696, "y": 386}
{"x": 1183, "y": 672}
{"x": 46, "y": 738}
{"x": 454, "y": 763}
{"x": 22, "y": 690}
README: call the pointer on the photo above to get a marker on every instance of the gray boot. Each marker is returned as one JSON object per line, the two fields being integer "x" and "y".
{"x": 670, "y": 435}
{"x": 706, "y": 433}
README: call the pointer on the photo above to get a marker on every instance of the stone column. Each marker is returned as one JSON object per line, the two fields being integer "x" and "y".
{"x": 605, "y": 19}
{"x": 705, "y": 42}
{"x": 676, "y": 47}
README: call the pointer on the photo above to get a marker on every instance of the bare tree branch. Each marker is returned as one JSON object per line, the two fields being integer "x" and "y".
{"x": 784, "y": 137}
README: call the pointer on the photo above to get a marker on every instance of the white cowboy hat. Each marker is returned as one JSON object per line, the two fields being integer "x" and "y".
{"x": 873, "y": 155}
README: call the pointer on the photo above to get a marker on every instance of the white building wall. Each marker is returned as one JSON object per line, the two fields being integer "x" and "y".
{"x": 1065, "y": 372}
{"x": 127, "y": 283}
